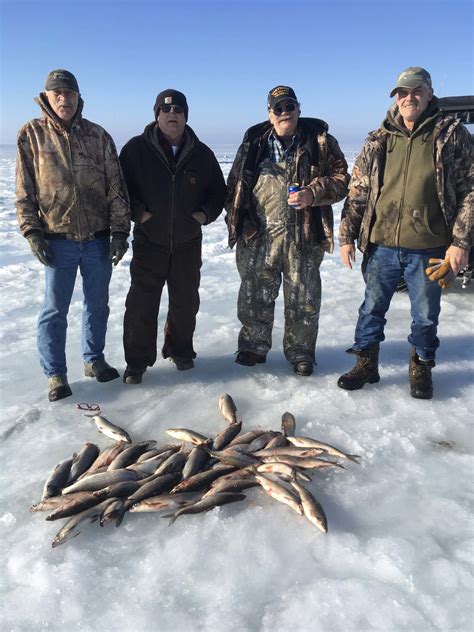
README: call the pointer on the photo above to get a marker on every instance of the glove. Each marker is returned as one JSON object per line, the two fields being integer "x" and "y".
{"x": 40, "y": 248}
{"x": 118, "y": 247}
{"x": 440, "y": 270}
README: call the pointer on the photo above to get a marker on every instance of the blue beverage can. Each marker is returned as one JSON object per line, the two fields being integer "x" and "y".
{"x": 293, "y": 187}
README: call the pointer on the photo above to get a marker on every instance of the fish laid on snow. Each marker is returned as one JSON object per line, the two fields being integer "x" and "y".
{"x": 99, "y": 481}
{"x": 165, "y": 501}
{"x": 289, "y": 450}
{"x": 311, "y": 508}
{"x": 201, "y": 480}
{"x": 280, "y": 493}
{"x": 195, "y": 462}
{"x": 282, "y": 469}
{"x": 83, "y": 461}
{"x": 57, "y": 479}
{"x": 72, "y": 527}
{"x": 228, "y": 408}
{"x": 307, "y": 442}
{"x": 222, "y": 439}
{"x": 288, "y": 424}
{"x": 111, "y": 430}
{"x": 231, "y": 485}
{"x": 206, "y": 504}
{"x": 305, "y": 463}
{"x": 77, "y": 503}
{"x": 231, "y": 457}
{"x": 106, "y": 457}
{"x": 183, "y": 434}
{"x": 128, "y": 456}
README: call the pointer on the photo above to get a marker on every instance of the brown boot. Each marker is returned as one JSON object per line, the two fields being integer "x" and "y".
{"x": 366, "y": 371}
{"x": 419, "y": 374}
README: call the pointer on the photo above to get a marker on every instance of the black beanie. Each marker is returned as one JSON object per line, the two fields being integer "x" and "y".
{"x": 170, "y": 97}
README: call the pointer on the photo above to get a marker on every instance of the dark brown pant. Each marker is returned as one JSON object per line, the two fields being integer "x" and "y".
{"x": 152, "y": 266}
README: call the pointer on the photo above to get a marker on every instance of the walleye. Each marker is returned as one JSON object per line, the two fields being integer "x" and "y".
{"x": 201, "y": 480}
{"x": 231, "y": 485}
{"x": 106, "y": 457}
{"x": 99, "y": 481}
{"x": 280, "y": 493}
{"x": 282, "y": 469}
{"x": 111, "y": 430}
{"x": 311, "y": 508}
{"x": 288, "y": 451}
{"x": 228, "y": 408}
{"x": 76, "y": 505}
{"x": 83, "y": 461}
{"x": 182, "y": 434}
{"x": 72, "y": 527}
{"x": 306, "y": 464}
{"x": 237, "y": 459}
{"x": 307, "y": 442}
{"x": 196, "y": 460}
{"x": 222, "y": 439}
{"x": 206, "y": 504}
{"x": 128, "y": 456}
{"x": 157, "y": 485}
{"x": 57, "y": 479}
{"x": 165, "y": 501}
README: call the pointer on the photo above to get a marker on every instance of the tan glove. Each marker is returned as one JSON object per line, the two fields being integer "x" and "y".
{"x": 440, "y": 270}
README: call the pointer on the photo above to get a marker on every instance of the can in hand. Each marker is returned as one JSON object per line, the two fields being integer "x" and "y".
{"x": 292, "y": 188}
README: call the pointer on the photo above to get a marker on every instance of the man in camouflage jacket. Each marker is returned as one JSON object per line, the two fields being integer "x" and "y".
{"x": 410, "y": 201}
{"x": 280, "y": 235}
{"x": 71, "y": 195}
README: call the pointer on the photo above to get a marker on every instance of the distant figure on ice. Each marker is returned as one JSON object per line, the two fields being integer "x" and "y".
{"x": 176, "y": 185}
{"x": 71, "y": 196}
{"x": 287, "y": 173}
{"x": 410, "y": 200}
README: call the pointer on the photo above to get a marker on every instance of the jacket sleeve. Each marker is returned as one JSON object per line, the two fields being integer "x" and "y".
{"x": 216, "y": 191}
{"x": 117, "y": 194}
{"x": 127, "y": 163}
{"x": 27, "y": 208}
{"x": 233, "y": 178}
{"x": 464, "y": 181}
{"x": 356, "y": 200}
{"x": 332, "y": 185}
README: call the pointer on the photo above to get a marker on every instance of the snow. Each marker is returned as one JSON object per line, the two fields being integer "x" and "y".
{"x": 399, "y": 552}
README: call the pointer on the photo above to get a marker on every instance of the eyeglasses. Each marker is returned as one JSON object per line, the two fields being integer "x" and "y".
{"x": 279, "y": 109}
{"x": 178, "y": 109}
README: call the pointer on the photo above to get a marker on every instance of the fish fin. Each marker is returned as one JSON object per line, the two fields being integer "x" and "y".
{"x": 172, "y": 517}
{"x": 354, "y": 458}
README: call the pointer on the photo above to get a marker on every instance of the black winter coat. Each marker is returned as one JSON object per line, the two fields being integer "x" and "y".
{"x": 171, "y": 193}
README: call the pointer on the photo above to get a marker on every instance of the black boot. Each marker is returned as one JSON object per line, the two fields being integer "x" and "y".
{"x": 101, "y": 370}
{"x": 133, "y": 375}
{"x": 419, "y": 374}
{"x": 366, "y": 371}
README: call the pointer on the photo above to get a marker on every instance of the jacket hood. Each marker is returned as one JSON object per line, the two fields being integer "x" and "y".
{"x": 312, "y": 125}
{"x": 393, "y": 123}
{"x": 47, "y": 110}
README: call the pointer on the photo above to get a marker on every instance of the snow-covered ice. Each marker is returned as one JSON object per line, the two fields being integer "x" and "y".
{"x": 399, "y": 552}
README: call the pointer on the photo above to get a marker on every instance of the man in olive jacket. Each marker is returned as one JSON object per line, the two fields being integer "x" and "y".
{"x": 410, "y": 200}
{"x": 175, "y": 186}
{"x": 71, "y": 195}
{"x": 281, "y": 236}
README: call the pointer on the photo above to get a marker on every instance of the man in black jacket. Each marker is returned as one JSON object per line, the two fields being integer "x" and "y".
{"x": 175, "y": 186}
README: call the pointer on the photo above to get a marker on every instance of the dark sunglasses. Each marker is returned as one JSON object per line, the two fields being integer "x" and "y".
{"x": 178, "y": 109}
{"x": 279, "y": 109}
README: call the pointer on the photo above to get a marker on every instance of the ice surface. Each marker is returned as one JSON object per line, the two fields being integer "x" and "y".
{"x": 399, "y": 552}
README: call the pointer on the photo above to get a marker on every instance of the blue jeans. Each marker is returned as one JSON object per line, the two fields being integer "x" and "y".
{"x": 382, "y": 269}
{"x": 92, "y": 259}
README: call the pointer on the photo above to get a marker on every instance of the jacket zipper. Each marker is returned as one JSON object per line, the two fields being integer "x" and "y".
{"x": 74, "y": 192}
{"x": 173, "y": 176}
{"x": 402, "y": 200}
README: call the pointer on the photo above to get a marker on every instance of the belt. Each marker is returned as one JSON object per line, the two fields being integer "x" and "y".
{"x": 97, "y": 235}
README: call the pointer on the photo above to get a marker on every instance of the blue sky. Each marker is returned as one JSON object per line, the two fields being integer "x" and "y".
{"x": 342, "y": 58}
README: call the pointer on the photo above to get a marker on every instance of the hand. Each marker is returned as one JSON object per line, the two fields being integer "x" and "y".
{"x": 458, "y": 258}
{"x": 40, "y": 248}
{"x": 118, "y": 247}
{"x": 348, "y": 255}
{"x": 301, "y": 199}
{"x": 200, "y": 217}
{"x": 440, "y": 270}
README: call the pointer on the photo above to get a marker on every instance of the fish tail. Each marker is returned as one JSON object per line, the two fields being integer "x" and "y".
{"x": 354, "y": 458}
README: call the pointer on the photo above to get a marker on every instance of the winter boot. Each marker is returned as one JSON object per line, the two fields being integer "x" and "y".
{"x": 419, "y": 374}
{"x": 58, "y": 388}
{"x": 133, "y": 375}
{"x": 248, "y": 358}
{"x": 366, "y": 371}
{"x": 101, "y": 370}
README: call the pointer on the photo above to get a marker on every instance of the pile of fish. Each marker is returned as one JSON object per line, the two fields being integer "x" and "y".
{"x": 189, "y": 477}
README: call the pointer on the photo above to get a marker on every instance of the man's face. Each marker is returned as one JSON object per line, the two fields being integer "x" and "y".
{"x": 64, "y": 102}
{"x": 283, "y": 121}
{"x": 172, "y": 123}
{"x": 412, "y": 102}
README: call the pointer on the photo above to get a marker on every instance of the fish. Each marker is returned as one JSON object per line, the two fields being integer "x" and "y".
{"x": 111, "y": 430}
{"x": 149, "y": 454}
{"x": 158, "y": 485}
{"x": 106, "y": 457}
{"x": 311, "y": 508}
{"x": 195, "y": 462}
{"x": 288, "y": 424}
{"x": 247, "y": 437}
{"x": 113, "y": 512}
{"x": 225, "y": 437}
{"x": 228, "y": 408}
{"x": 280, "y": 493}
{"x": 183, "y": 434}
{"x": 283, "y": 470}
{"x": 53, "y": 502}
{"x": 206, "y": 504}
{"x": 74, "y": 506}
{"x": 201, "y": 480}
{"x": 165, "y": 501}
{"x": 73, "y": 526}
{"x": 307, "y": 442}
{"x": 277, "y": 442}
{"x": 307, "y": 464}
{"x": 99, "y": 481}
{"x": 290, "y": 450}
{"x": 231, "y": 485}
{"x": 128, "y": 456}
{"x": 173, "y": 463}
{"x": 83, "y": 461}
{"x": 120, "y": 490}
{"x": 58, "y": 478}
{"x": 230, "y": 457}
{"x": 260, "y": 442}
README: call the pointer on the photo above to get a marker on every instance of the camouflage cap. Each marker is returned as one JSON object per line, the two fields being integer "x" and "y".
{"x": 61, "y": 79}
{"x": 412, "y": 78}
{"x": 280, "y": 93}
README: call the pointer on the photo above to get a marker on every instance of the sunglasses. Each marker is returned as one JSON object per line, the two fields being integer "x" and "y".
{"x": 279, "y": 109}
{"x": 178, "y": 109}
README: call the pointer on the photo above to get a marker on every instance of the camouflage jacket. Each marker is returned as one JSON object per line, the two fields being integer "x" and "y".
{"x": 320, "y": 164}
{"x": 69, "y": 181}
{"x": 452, "y": 155}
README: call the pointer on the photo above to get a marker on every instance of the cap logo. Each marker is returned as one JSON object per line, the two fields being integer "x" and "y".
{"x": 168, "y": 99}
{"x": 279, "y": 91}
